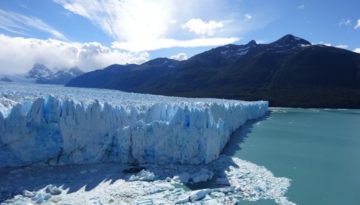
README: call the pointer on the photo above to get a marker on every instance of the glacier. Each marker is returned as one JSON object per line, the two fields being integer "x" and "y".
{"x": 54, "y": 125}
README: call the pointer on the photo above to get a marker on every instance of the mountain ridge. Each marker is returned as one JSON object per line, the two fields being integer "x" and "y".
{"x": 288, "y": 72}
{"x": 41, "y": 74}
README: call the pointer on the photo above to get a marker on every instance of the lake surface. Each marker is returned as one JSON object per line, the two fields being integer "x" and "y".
{"x": 318, "y": 149}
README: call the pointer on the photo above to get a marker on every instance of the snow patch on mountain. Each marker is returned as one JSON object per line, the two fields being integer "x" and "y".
{"x": 235, "y": 51}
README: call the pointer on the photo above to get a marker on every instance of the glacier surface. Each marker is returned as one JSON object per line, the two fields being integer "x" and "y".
{"x": 41, "y": 124}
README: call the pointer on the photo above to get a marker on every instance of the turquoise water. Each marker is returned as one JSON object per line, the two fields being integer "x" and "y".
{"x": 319, "y": 150}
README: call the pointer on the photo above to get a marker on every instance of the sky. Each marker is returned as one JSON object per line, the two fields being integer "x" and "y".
{"x": 92, "y": 34}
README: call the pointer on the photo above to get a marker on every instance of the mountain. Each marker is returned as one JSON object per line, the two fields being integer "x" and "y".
{"x": 129, "y": 77}
{"x": 39, "y": 71}
{"x": 40, "y": 74}
{"x": 43, "y": 75}
{"x": 288, "y": 72}
{"x": 5, "y": 79}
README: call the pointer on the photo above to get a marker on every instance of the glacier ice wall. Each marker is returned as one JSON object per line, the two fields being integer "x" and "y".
{"x": 57, "y": 125}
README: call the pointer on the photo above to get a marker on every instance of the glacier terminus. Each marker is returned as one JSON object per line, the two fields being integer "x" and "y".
{"x": 75, "y": 145}
{"x": 55, "y": 125}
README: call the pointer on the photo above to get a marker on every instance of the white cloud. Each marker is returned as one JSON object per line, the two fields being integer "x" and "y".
{"x": 342, "y": 46}
{"x": 170, "y": 43}
{"x": 21, "y": 24}
{"x": 143, "y": 25}
{"x": 324, "y": 43}
{"x": 248, "y": 16}
{"x": 357, "y": 50}
{"x": 357, "y": 24}
{"x": 179, "y": 57}
{"x": 345, "y": 22}
{"x": 200, "y": 27}
{"x": 301, "y": 6}
{"x": 126, "y": 20}
{"x": 18, "y": 54}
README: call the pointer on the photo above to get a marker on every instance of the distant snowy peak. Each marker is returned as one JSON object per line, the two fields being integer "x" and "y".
{"x": 70, "y": 72}
{"x": 290, "y": 39}
{"x": 5, "y": 79}
{"x": 232, "y": 51}
{"x": 39, "y": 71}
{"x": 288, "y": 43}
{"x": 43, "y": 75}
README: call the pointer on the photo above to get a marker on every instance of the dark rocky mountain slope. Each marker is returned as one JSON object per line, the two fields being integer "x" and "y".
{"x": 287, "y": 72}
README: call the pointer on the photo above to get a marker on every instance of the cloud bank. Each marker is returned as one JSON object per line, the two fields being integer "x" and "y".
{"x": 345, "y": 22}
{"x": 18, "y": 54}
{"x": 138, "y": 46}
{"x": 342, "y": 46}
{"x": 145, "y": 25}
{"x": 179, "y": 57}
{"x": 129, "y": 20}
{"x": 357, "y": 24}
{"x": 203, "y": 28}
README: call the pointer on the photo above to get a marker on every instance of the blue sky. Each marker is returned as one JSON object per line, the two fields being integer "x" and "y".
{"x": 94, "y": 34}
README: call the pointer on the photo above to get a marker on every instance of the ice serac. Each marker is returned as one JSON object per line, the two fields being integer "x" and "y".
{"x": 57, "y": 125}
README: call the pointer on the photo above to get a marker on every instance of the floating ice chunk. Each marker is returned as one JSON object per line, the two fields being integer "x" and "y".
{"x": 143, "y": 175}
{"x": 183, "y": 177}
{"x": 53, "y": 190}
{"x": 28, "y": 193}
{"x": 200, "y": 194}
{"x": 41, "y": 197}
{"x": 247, "y": 181}
{"x": 252, "y": 182}
{"x": 145, "y": 202}
{"x": 202, "y": 176}
{"x": 194, "y": 196}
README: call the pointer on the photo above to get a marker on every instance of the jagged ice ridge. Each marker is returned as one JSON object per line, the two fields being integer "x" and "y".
{"x": 57, "y": 125}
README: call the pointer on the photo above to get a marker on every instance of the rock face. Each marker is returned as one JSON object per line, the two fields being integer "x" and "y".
{"x": 56, "y": 125}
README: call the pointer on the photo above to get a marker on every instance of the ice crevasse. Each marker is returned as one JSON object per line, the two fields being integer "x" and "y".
{"x": 57, "y": 125}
